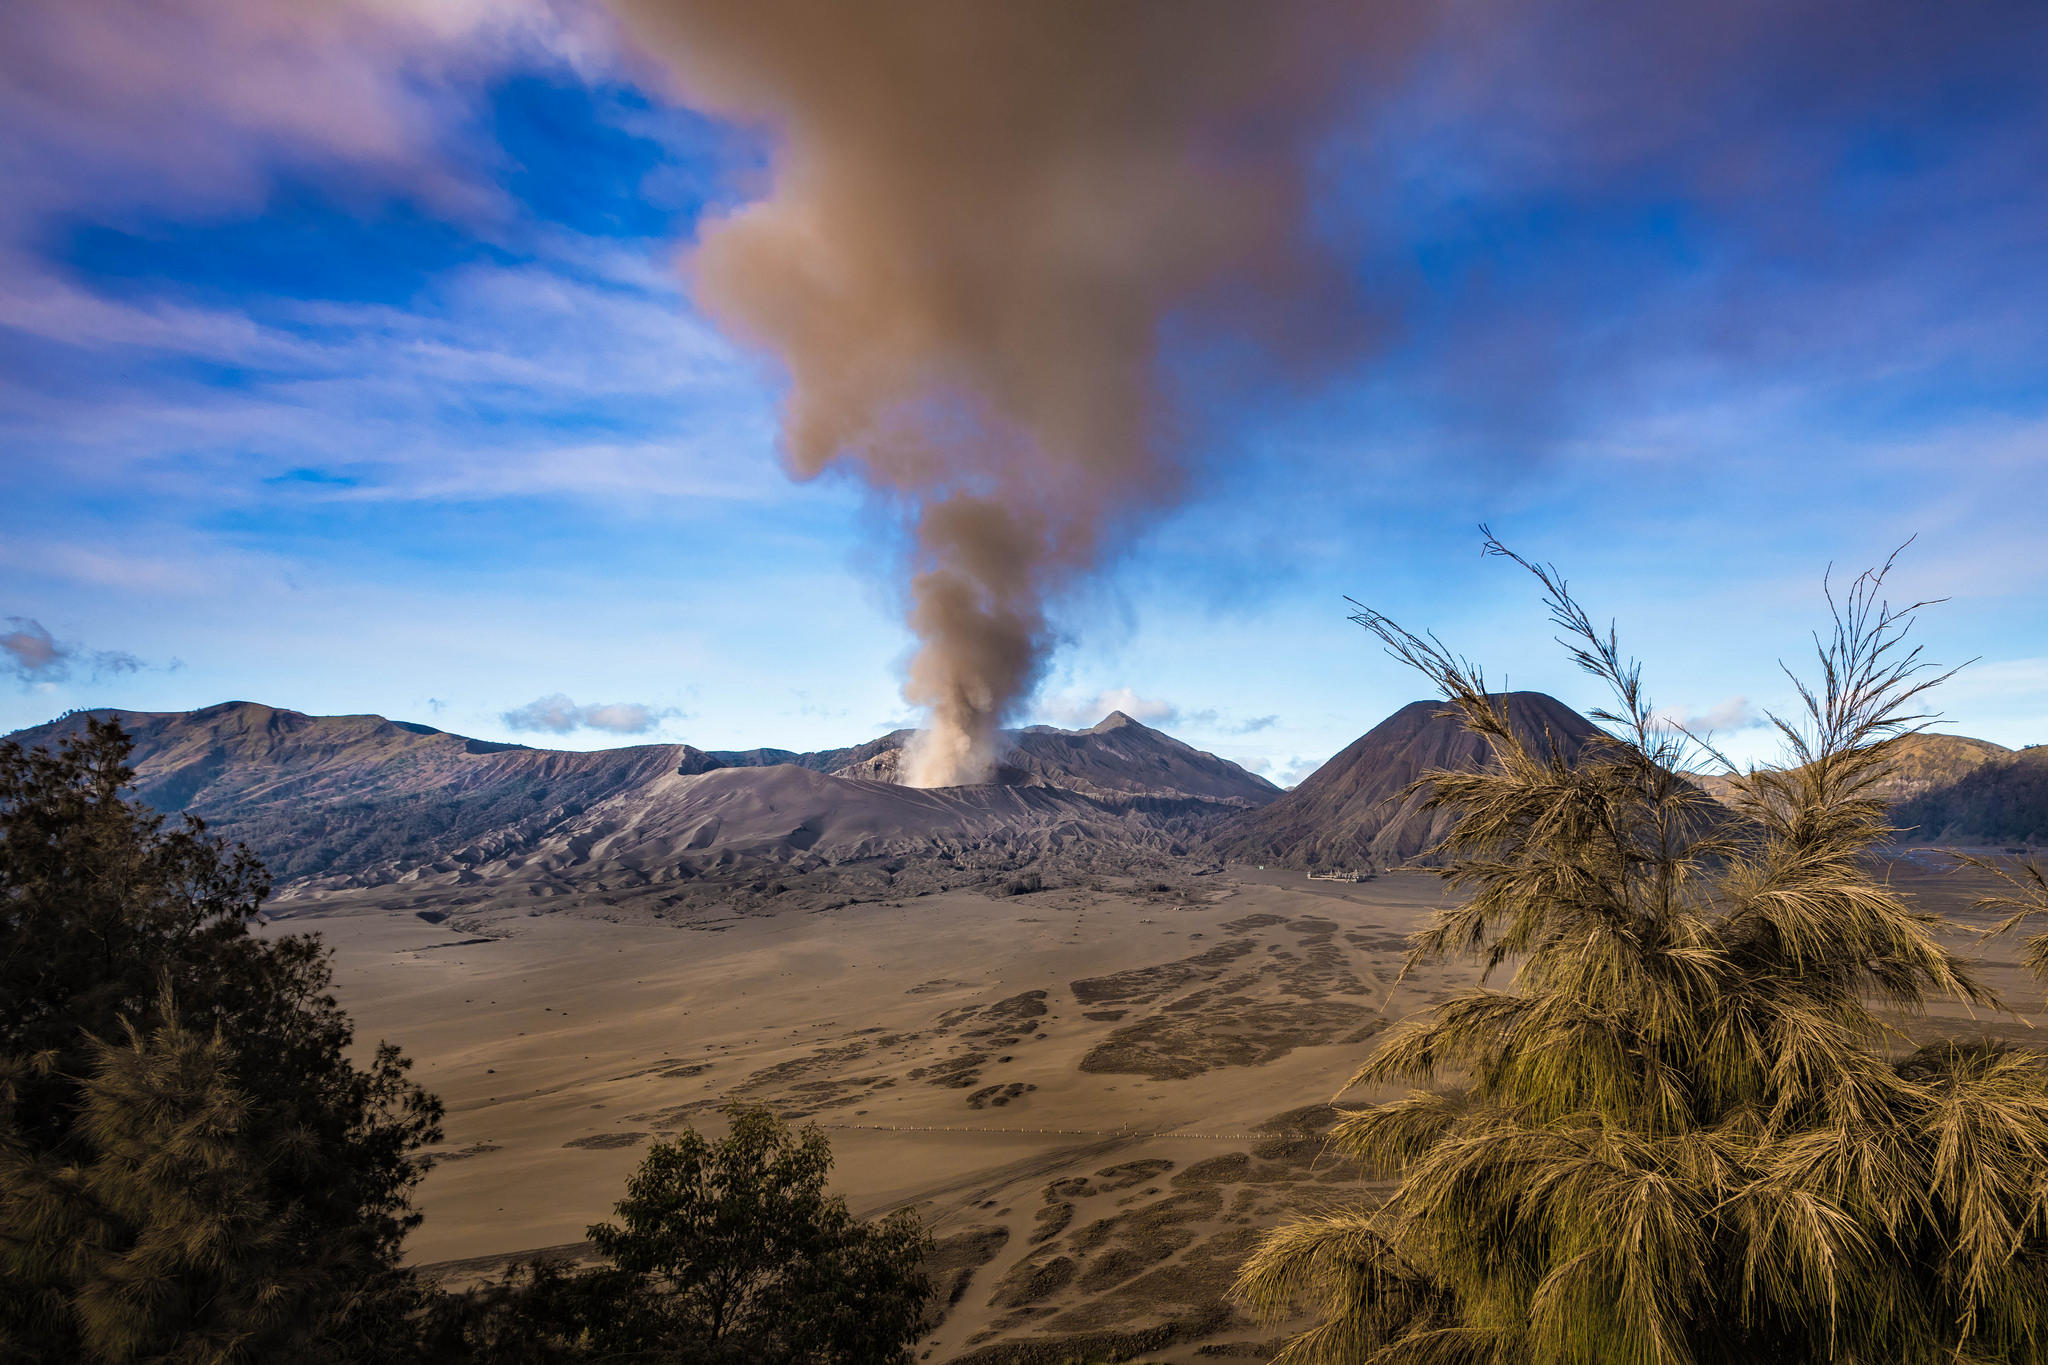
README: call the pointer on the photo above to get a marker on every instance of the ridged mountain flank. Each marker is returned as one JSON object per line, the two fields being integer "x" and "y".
{"x": 332, "y": 802}
{"x": 1351, "y": 814}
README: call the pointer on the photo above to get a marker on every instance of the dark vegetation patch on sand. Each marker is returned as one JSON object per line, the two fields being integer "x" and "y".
{"x": 1150, "y": 1271}
{"x": 997, "y": 1096}
{"x": 1228, "y": 1169}
{"x": 1066, "y": 1350}
{"x": 1129, "y": 1173}
{"x": 433, "y": 1159}
{"x": 1033, "y": 1279}
{"x": 1051, "y": 1220}
{"x": 955, "y": 1259}
{"x": 1142, "y": 985}
{"x": 1234, "y": 1032}
{"x": 818, "y": 1080}
{"x": 938, "y": 984}
{"x": 1383, "y": 942}
{"x": 603, "y": 1142}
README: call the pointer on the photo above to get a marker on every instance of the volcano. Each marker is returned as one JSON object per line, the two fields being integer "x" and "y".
{"x": 1352, "y": 813}
{"x": 344, "y": 803}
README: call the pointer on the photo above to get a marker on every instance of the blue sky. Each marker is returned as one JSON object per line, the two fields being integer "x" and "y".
{"x": 345, "y": 365}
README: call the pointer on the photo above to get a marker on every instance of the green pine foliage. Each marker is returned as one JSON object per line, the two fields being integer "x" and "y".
{"x": 194, "y": 1167}
{"x": 1687, "y": 1129}
{"x": 153, "y": 1236}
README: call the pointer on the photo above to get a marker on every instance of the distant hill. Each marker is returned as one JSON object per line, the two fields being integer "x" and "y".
{"x": 333, "y": 802}
{"x": 1925, "y": 761}
{"x": 1921, "y": 762}
{"x": 2001, "y": 800}
{"x": 349, "y": 795}
{"x": 1350, "y": 813}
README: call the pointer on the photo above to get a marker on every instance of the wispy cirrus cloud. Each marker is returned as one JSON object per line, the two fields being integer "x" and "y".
{"x": 557, "y": 714}
{"x": 195, "y": 104}
{"x": 371, "y": 403}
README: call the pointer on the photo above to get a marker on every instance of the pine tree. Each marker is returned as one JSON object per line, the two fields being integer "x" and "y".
{"x": 158, "y": 1227}
{"x": 226, "y": 1183}
{"x": 1688, "y": 1129}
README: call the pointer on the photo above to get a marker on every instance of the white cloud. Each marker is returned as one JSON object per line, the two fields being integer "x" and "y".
{"x": 1727, "y": 716}
{"x": 1285, "y": 772}
{"x": 1077, "y": 711}
{"x": 557, "y": 714}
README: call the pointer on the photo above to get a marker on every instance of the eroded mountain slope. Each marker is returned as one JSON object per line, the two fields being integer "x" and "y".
{"x": 339, "y": 802}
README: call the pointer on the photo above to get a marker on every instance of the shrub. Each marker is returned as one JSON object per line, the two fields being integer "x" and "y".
{"x": 726, "y": 1250}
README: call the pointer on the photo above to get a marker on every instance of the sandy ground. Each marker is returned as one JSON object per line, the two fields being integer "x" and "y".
{"x": 1098, "y": 1098}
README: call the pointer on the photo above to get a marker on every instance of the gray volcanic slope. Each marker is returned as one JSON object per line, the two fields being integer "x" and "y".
{"x": 333, "y": 802}
{"x": 1350, "y": 813}
{"x": 1116, "y": 758}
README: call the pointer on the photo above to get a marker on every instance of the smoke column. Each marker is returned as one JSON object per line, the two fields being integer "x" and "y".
{"x": 985, "y": 222}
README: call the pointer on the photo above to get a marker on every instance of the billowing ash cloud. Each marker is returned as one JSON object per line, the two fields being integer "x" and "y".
{"x": 987, "y": 223}
{"x": 32, "y": 654}
{"x": 558, "y": 715}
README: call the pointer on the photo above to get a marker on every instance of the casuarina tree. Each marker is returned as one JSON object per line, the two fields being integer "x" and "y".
{"x": 1687, "y": 1128}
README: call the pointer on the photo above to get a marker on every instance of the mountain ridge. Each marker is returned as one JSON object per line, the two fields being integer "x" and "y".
{"x": 1920, "y": 762}
{"x": 343, "y": 802}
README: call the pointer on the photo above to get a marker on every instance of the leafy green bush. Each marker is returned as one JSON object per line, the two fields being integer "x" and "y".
{"x": 725, "y": 1251}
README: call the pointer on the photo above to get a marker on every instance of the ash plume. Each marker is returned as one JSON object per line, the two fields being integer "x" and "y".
{"x": 987, "y": 227}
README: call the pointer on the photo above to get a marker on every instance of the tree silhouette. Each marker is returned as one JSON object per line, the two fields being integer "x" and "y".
{"x": 724, "y": 1251}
